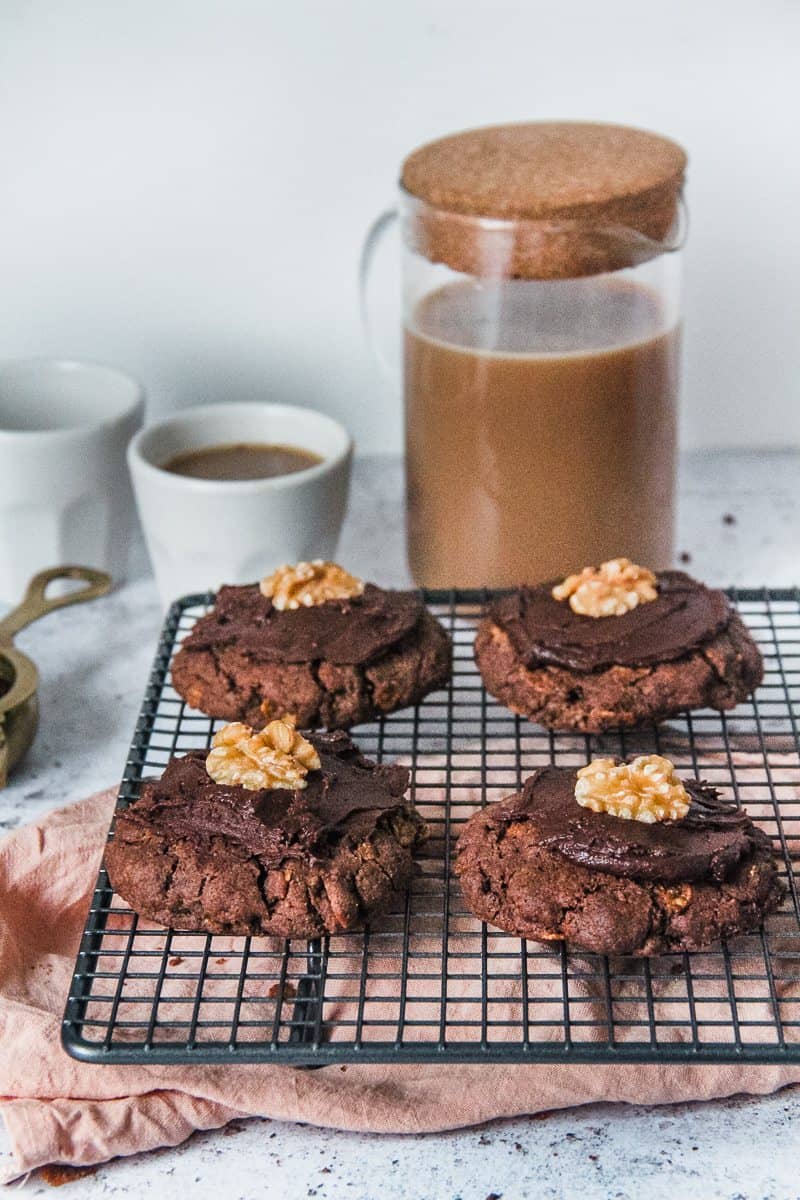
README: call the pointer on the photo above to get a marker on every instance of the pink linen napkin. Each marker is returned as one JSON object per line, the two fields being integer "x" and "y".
{"x": 59, "y": 1110}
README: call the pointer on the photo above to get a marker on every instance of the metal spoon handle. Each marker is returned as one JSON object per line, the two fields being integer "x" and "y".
{"x": 35, "y": 603}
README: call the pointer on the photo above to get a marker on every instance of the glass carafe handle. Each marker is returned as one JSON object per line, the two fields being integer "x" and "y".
{"x": 375, "y": 235}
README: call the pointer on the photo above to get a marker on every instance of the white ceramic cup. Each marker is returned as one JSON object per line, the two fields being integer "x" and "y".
{"x": 64, "y": 492}
{"x": 205, "y": 532}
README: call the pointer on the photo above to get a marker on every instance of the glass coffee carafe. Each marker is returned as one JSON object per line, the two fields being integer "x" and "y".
{"x": 541, "y": 351}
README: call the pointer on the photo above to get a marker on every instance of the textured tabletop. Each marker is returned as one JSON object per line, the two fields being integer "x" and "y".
{"x": 739, "y": 524}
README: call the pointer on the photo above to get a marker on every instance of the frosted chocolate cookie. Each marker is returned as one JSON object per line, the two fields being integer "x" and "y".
{"x": 616, "y": 646}
{"x": 268, "y": 833}
{"x": 618, "y": 858}
{"x": 314, "y": 641}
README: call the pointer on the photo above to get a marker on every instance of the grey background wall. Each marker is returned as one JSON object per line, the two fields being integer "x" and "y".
{"x": 186, "y": 183}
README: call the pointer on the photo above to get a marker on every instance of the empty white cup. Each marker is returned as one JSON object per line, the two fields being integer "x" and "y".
{"x": 205, "y": 532}
{"x": 64, "y": 492}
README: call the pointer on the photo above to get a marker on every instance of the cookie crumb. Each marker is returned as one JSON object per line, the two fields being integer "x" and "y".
{"x": 289, "y": 991}
{"x": 57, "y": 1174}
{"x": 233, "y": 1127}
{"x": 176, "y": 960}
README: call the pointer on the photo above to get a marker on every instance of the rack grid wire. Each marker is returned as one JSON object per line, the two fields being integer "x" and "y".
{"x": 427, "y": 981}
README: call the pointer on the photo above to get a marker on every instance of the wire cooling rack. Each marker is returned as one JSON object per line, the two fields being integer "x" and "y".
{"x": 428, "y": 982}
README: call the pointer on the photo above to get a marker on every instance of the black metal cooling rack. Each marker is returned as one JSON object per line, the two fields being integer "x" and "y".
{"x": 428, "y": 982}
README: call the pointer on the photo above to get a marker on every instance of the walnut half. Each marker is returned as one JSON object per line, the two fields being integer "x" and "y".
{"x": 277, "y": 756}
{"x": 308, "y": 583}
{"x": 646, "y": 789}
{"x": 613, "y": 588}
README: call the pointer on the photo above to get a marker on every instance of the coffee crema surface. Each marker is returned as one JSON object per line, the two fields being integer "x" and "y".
{"x": 241, "y": 461}
{"x": 540, "y": 429}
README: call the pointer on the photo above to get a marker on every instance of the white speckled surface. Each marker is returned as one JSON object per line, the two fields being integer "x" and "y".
{"x": 94, "y": 661}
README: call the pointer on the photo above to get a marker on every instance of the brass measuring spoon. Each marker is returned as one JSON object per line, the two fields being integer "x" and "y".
{"x": 19, "y": 704}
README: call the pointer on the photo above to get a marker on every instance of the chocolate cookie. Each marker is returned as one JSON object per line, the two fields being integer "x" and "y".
{"x": 332, "y": 665}
{"x": 195, "y": 854}
{"x": 688, "y": 648}
{"x": 542, "y": 867}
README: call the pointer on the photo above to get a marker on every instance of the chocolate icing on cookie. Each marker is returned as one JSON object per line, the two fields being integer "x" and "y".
{"x": 706, "y": 844}
{"x": 542, "y": 630}
{"x": 348, "y": 795}
{"x": 353, "y": 631}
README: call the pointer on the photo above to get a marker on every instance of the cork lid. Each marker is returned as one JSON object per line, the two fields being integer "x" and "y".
{"x": 570, "y": 198}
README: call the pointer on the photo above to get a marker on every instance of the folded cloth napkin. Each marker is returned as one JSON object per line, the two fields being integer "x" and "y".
{"x": 60, "y": 1110}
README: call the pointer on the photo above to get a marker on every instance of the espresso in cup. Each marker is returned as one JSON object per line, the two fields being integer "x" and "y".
{"x": 242, "y": 460}
{"x": 218, "y": 508}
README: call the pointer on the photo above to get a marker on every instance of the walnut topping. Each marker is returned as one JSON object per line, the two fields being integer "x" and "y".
{"x": 308, "y": 583}
{"x": 676, "y": 898}
{"x": 613, "y": 588}
{"x": 277, "y": 756}
{"x": 646, "y": 789}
